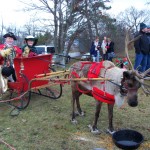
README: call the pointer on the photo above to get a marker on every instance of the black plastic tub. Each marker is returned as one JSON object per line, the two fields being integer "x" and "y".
{"x": 127, "y": 139}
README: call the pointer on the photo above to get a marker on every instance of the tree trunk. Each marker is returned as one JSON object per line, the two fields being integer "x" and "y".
{"x": 56, "y": 27}
{"x": 88, "y": 21}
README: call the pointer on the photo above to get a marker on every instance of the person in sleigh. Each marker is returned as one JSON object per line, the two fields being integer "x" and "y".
{"x": 8, "y": 51}
{"x": 29, "y": 49}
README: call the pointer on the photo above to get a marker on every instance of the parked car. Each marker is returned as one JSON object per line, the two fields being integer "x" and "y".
{"x": 86, "y": 56}
{"x": 45, "y": 49}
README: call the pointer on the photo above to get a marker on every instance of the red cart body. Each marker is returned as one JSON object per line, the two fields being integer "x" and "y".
{"x": 27, "y": 68}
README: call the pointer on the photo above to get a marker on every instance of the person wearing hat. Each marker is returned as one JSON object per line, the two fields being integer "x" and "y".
{"x": 141, "y": 49}
{"x": 29, "y": 49}
{"x": 8, "y": 51}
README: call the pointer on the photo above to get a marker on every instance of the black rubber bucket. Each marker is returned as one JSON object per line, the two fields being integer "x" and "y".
{"x": 127, "y": 139}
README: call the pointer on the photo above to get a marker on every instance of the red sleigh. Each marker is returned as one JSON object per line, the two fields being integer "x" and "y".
{"x": 32, "y": 77}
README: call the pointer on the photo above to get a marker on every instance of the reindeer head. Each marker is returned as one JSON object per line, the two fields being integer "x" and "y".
{"x": 132, "y": 79}
{"x": 130, "y": 86}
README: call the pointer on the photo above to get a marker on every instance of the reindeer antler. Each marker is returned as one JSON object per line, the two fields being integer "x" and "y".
{"x": 146, "y": 87}
{"x": 126, "y": 48}
{"x": 139, "y": 76}
{"x": 146, "y": 72}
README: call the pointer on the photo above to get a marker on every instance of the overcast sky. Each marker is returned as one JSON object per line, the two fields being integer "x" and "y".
{"x": 10, "y": 15}
{"x": 121, "y": 5}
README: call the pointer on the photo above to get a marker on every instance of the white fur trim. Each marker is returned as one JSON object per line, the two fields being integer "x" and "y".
{"x": 119, "y": 100}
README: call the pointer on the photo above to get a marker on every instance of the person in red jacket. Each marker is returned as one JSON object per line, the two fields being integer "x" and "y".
{"x": 8, "y": 51}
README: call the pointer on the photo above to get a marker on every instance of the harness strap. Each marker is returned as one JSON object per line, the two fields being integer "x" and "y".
{"x": 95, "y": 69}
{"x": 77, "y": 76}
{"x": 85, "y": 63}
{"x": 104, "y": 77}
{"x": 98, "y": 94}
{"x": 103, "y": 96}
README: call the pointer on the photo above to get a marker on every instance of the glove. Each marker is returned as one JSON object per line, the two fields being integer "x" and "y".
{"x": 5, "y": 52}
{"x": 26, "y": 51}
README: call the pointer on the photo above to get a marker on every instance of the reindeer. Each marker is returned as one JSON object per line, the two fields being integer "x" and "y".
{"x": 118, "y": 84}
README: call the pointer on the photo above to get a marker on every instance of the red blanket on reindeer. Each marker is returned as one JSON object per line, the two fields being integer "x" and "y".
{"x": 98, "y": 94}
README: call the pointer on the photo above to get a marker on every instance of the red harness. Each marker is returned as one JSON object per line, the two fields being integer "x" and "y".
{"x": 94, "y": 72}
{"x": 98, "y": 94}
{"x": 95, "y": 69}
{"x": 103, "y": 96}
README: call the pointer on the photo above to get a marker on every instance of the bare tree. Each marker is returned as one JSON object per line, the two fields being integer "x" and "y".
{"x": 90, "y": 17}
{"x": 64, "y": 16}
{"x": 2, "y": 29}
{"x": 132, "y": 17}
{"x": 31, "y": 27}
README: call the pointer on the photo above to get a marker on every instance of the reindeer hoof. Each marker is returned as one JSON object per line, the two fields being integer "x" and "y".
{"x": 74, "y": 121}
{"x": 79, "y": 114}
{"x": 82, "y": 114}
{"x": 110, "y": 132}
{"x": 94, "y": 131}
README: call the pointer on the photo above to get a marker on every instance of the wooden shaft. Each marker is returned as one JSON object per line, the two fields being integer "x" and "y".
{"x": 71, "y": 79}
{"x": 81, "y": 79}
{"x": 53, "y": 73}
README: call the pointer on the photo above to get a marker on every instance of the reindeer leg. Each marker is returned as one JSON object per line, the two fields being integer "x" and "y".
{"x": 110, "y": 117}
{"x": 73, "y": 119}
{"x": 94, "y": 128}
{"x": 79, "y": 110}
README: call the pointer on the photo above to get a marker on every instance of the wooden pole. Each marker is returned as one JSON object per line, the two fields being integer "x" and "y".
{"x": 81, "y": 79}
{"x": 53, "y": 73}
{"x": 71, "y": 79}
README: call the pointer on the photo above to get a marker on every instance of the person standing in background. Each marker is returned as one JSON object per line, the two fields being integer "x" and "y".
{"x": 104, "y": 49}
{"x": 110, "y": 49}
{"x": 148, "y": 59}
{"x": 95, "y": 49}
{"x": 141, "y": 49}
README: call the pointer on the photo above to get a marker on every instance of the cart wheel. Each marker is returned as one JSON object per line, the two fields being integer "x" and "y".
{"x": 22, "y": 102}
{"x": 54, "y": 90}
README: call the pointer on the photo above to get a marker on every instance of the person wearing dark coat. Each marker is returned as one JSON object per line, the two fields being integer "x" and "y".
{"x": 95, "y": 49}
{"x": 29, "y": 48}
{"x": 141, "y": 49}
{"x": 110, "y": 49}
{"x": 148, "y": 59}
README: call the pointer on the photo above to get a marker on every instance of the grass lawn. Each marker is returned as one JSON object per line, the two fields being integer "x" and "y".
{"x": 45, "y": 124}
